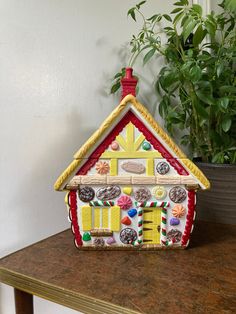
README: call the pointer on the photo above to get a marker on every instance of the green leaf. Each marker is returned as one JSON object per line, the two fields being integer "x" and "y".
{"x": 167, "y": 17}
{"x": 176, "y": 10}
{"x": 205, "y": 97}
{"x": 201, "y": 110}
{"x": 226, "y": 124}
{"x": 140, "y": 4}
{"x": 195, "y": 73}
{"x": 178, "y": 17}
{"x": 188, "y": 29}
{"x": 219, "y": 69}
{"x": 228, "y": 89}
{"x": 198, "y": 36}
{"x": 197, "y": 8}
{"x": 132, "y": 13}
{"x": 223, "y": 103}
{"x": 115, "y": 87}
{"x": 210, "y": 27}
{"x": 148, "y": 56}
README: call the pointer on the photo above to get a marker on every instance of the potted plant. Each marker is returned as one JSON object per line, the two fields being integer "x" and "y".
{"x": 197, "y": 85}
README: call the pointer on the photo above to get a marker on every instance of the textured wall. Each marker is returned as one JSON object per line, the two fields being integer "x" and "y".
{"x": 57, "y": 58}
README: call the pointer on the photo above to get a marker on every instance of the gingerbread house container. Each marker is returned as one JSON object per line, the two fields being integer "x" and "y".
{"x": 130, "y": 186}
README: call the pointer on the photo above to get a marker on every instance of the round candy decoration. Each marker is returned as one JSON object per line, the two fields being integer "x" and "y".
{"x": 159, "y": 192}
{"x": 146, "y": 146}
{"x": 124, "y": 202}
{"x": 98, "y": 242}
{"x": 174, "y": 235}
{"x": 132, "y": 212}
{"x": 128, "y": 236}
{"x": 114, "y": 145}
{"x": 142, "y": 195}
{"x": 162, "y": 167}
{"x": 108, "y": 192}
{"x": 178, "y": 211}
{"x": 177, "y": 194}
{"x": 111, "y": 240}
{"x": 86, "y": 194}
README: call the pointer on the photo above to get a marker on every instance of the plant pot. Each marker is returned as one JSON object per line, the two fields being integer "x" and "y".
{"x": 219, "y": 203}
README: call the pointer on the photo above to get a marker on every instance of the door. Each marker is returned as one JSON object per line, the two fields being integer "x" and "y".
{"x": 151, "y": 225}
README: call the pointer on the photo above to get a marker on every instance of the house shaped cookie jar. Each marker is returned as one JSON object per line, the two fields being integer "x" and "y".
{"x": 130, "y": 186}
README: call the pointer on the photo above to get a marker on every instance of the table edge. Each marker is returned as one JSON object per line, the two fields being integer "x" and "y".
{"x": 56, "y": 294}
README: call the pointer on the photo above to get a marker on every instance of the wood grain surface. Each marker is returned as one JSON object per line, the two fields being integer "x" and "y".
{"x": 201, "y": 279}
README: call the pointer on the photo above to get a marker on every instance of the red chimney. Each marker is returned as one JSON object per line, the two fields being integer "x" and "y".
{"x": 128, "y": 83}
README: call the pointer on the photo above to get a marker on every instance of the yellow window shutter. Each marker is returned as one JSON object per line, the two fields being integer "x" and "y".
{"x": 105, "y": 217}
{"x": 115, "y": 218}
{"x": 97, "y": 217}
{"x": 86, "y": 217}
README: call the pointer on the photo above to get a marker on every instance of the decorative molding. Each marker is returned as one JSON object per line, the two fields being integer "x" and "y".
{"x": 101, "y": 180}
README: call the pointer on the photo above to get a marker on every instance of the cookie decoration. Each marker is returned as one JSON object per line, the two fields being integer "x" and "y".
{"x": 128, "y": 236}
{"x": 86, "y": 194}
{"x": 124, "y": 202}
{"x": 130, "y": 186}
{"x": 98, "y": 242}
{"x": 102, "y": 167}
{"x": 133, "y": 167}
{"x": 142, "y": 195}
{"x": 177, "y": 194}
{"x": 174, "y": 235}
{"x": 178, "y": 211}
{"x": 159, "y": 192}
{"x": 108, "y": 192}
{"x": 162, "y": 167}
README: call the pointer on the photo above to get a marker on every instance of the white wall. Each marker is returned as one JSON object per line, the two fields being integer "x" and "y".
{"x": 57, "y": 58}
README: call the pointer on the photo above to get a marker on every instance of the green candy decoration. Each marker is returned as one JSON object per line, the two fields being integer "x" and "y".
{"x": 86, "y": 236}
{"x": 146, "y": 146}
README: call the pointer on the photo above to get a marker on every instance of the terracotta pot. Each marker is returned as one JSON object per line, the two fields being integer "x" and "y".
{"x": 219, "y": 203}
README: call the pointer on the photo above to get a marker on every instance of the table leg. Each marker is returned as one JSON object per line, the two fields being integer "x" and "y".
{"x": 23, "y": 302}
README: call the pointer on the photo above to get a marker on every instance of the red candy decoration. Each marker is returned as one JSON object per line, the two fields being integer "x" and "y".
{"x": 126, "y": 221}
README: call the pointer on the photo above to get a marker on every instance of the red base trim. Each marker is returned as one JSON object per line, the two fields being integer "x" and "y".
{"x": 130, "y": 117}
{"x": 190, "y": 218}
{"x": 74, "y": 219}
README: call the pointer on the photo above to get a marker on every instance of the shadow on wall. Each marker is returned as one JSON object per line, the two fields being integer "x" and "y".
{"x": 43, "y": 207}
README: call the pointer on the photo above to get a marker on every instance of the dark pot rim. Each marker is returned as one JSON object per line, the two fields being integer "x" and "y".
{"x": 209, "y": 164}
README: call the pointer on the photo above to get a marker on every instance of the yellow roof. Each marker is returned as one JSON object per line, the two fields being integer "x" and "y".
{"x": 90, "y": 144}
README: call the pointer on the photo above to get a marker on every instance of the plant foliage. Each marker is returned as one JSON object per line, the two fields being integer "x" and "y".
{"x": 197, "y": 84}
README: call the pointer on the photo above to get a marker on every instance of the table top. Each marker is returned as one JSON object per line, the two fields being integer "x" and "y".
{"x": 201, "y": 279}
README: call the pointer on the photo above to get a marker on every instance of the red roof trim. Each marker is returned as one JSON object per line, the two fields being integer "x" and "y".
{"x": 130, "y": 117}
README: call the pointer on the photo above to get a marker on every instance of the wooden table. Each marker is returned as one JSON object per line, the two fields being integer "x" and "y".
{"x": 200, "y": 279}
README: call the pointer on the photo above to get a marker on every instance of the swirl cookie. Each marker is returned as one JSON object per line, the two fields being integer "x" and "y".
{"x": 177, "y": 194}
{"x": 108, "y": 192}
{"x": 86, "y": 194}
